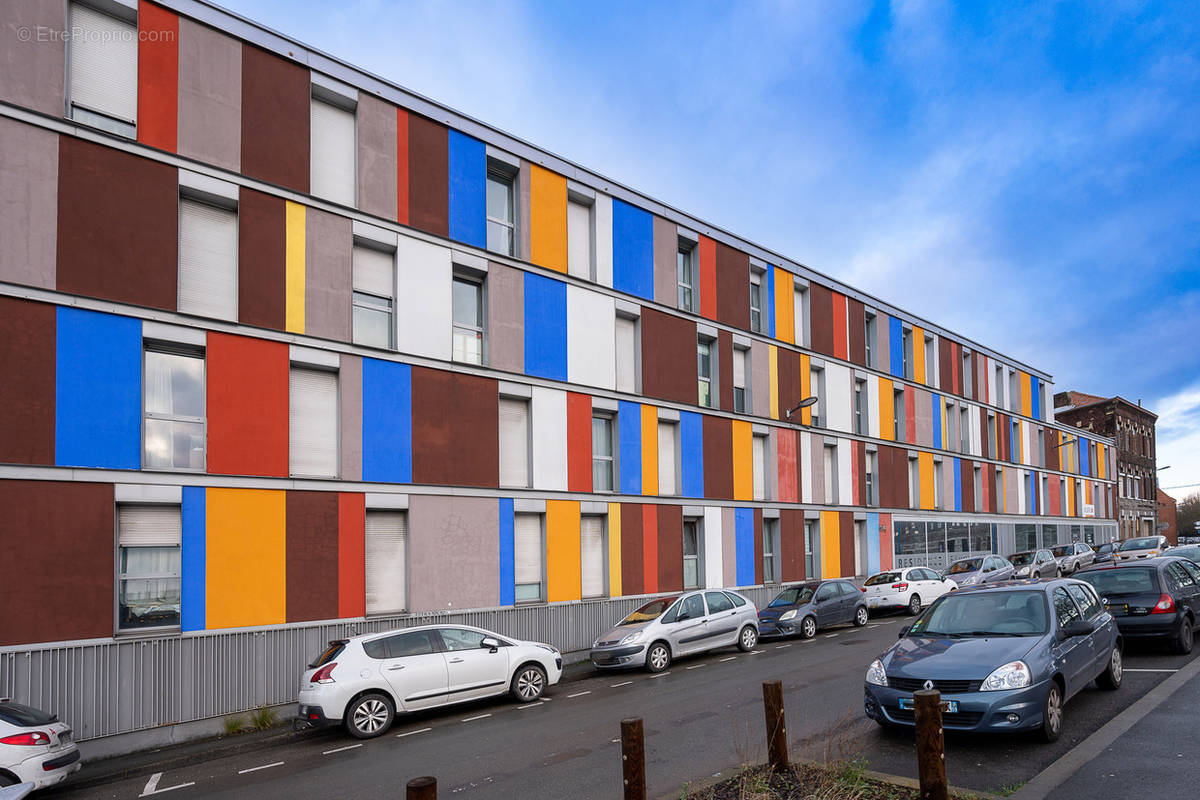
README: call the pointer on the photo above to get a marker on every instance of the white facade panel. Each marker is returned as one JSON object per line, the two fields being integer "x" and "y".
{"x": 549, "y": 412}
{"x": 713, "y": 562}
{"x": 602, "y": 224}
{"x": 591, "y": 338}
{"x": 839, "y": 397}
{"x": 579, "y": 240}
{"x": 806, "y": 487}
{"x": 845, "y": 481}
{"x": 873, "y": 405}
{"x": 423, "y": 281}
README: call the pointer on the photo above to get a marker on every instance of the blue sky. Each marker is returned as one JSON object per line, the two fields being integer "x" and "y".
{"x": 1025, "y": 174}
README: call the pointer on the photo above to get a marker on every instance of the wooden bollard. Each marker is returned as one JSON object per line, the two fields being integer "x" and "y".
{"x": 777, "y": 757}
{"x": 633, "y": 758}
{"x": 931, "y": 747}
{"x": 423, "y": 788}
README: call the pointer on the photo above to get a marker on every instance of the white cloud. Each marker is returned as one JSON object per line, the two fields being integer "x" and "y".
{"x": 1178, "y": 440}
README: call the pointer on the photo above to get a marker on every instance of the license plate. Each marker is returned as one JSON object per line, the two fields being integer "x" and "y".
{"x": 948, "y": 706}
{"x": 64, "y": 737}
{"x": 1120, "y": 608}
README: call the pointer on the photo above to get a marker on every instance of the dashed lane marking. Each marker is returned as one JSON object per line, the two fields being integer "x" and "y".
{"x": 807, "y": 641}
{"x": 340, "y": 749}
{"x": 696, "y": 666}
{"x": 756, "y": 652}
{"x": 152, "y": 786}
{"x": 723, "y": 660}
{"x": 831, "y": 635}
{"x": 256, "y": 769}
{"x": 781, "y": 646}
{"x": 478, "y": 716}
{"x": 623, "y": 683}
{"x": 1131, "y": 669}
{"x": 412, "y": 733}
{"x": 578, "y": 694}
{"x": 529, "y": 705}
{"x": 662, "y": 674}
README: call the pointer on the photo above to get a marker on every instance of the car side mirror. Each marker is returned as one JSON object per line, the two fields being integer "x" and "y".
{"x": 489, "y": 643}
{"x": 903, "y": 631}
{"x": 1076, "y": 628}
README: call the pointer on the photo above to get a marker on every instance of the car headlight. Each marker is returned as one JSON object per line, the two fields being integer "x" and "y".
{"x": 970, "y": 579}
{"x": 875, "y": 674}
{"x": 1022, "y": 572}
{"x": 788, "y": 615}
{"x": 548, "y": 647}
{"x": 1013, "y": 675}
{"x": 632, "y": 637}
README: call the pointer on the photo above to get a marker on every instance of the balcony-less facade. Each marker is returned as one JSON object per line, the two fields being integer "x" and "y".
{"x": 287, "y": 352}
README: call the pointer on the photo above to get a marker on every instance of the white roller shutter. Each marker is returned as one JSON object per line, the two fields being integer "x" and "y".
{"x": 373, "y": 271}
{"x": 208, "y": 243}
{"x": 579, "y": 240}
{"x": 103, "y": 59}
{"x": 739, "y": 369}
{"x": 149, "y": 526}
{"x": 591, "y": 555}
{"x": 386, "y": 560}
{"x": 333, "y": 173}
{"x": 626, "y": 356}
{"x": 666, "y": 459}
{"x": 313, "y": 423}
{"x": 514, "y": 442}
{"x": 527, "y": 546}
{"x": 760, "y": 468}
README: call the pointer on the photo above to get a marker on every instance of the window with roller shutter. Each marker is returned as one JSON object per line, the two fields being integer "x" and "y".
{"x": 668, "y": 458}
{"x": 148, "y": 559}
{"x": 332, "y": 134}
{"x": 208, "y": 266}
{"x": 627, "y": 360}
{"x": 102, "y": 68}
{"x": 312, "y": 423}
{"x": 514, "y": 443}
{"x": 760, "y": 467}
{"x": 374, "y": 280}
{"x": 591, "y": 555}
{"x": 386, "y": 561}
{"x": 527, "y": 555}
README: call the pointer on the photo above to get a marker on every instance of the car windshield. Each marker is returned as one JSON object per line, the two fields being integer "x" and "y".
{"x": 796, "y": 595}
{"x": 1021, "y": 559}
{"x": 24, "y": 716}
{"x": 1145, "y": 543}
{"x": 966, "y": 565}
{"x": 1192, "y": 553}
{"x": 881, "y": 578}
{"x": 652, "y": 610}
{"x": 1123, "y": 581}
{"x": 1062, "y": 550}
{"x": 1016, "y": 613}
{"x": 1104, "y": 548}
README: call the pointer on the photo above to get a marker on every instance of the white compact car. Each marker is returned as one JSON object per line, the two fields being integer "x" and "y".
{"x": 34, "y": 747}
{"x": 362, "y": 682}
{"x": 908, "y": 588}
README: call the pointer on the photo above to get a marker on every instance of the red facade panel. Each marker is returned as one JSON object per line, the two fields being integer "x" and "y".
{"x": 276, "y": 110}
{"x": 650, "y": 548}
{"x": 707, "y": 253}
{"x": 846, "y": 542}
{"x": 579, "y": 442}
{"x": 158, "y": 77}
{"x": 758, "y": 546}
{"x": 351, "y": 551}
{"x": 789, "y": 473}
{"x": 247, "y": 401}
{"x": 312, "y": 526}
{"x": 455, "y": 429}
{"x": 402, "y": 150}
{"x": 966, "y": 476}
{"x": 791, "y": 544}
{"x": 856, "y": 322}
{"x": 27, "y": 362}
{"x": 841, "y": 345}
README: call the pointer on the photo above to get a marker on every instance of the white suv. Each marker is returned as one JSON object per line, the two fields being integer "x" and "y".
{"x": 34, "y": 747}
{"x": 362, "y": 682}
{"x": 909, "y": 588}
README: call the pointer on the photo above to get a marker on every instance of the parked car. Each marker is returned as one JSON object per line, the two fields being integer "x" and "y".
{"x": 1034, "y": 564}
{"x": 35, "y": 747}
{"x": 1141, "y": 547}
{"x": 1005, "y": 658}
{"x": 909, "y": 588}
{"x": 808, "y": 607}
{"x": 1073, "y": 557}
{"x": 982, "y": 569}
{"x": 1106, "y": 553}
{"x": 669, "y": 627}
{"x": 362, "y": 682}
{"x": 1188, "y": 551}
{"x": 1155, "y": 599}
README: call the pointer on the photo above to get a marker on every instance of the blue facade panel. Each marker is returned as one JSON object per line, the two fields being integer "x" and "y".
{"x": 467, "y": 162}
{"x": 98, "y": 392}
{"x": 936, "y": 404}
{"x": 896, "y": 347}
{"x": 1035, "y": 391}
{"x": 192, "y": 558}
{"x": 744, "y": 545}
{"x": 633, "y": 250}
{"x": 769, "y": 301}
{"x": 629, "y": 444}
{"x": 691, "y": 453}
{"x": 873, "y": 564}
{"x": 1033, "y": 494}
{"x": 386, "y": 421}
{"x": 958, "y": 484}
{"x": 545, "y": 327}
{"x": 508, "y": 569}
{"x": 1085, "y": 457}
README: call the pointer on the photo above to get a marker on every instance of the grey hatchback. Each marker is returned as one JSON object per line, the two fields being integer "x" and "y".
{"x": 806, "y": 607}
{"x": 984, "y": 569}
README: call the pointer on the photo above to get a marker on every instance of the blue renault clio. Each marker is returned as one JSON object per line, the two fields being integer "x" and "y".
{"x": 1005, "y": 657}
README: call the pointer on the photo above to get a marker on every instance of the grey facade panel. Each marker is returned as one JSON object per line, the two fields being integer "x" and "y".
{"x": 327, "y": 275}
{"x": 350, "y": 410}
{"x": 376, "y": 156}
{"x": 210, "y": 95}
{"x": 29, "y": 222}
{"x": 506, "y": 318}
{"x": 32, "y": 69}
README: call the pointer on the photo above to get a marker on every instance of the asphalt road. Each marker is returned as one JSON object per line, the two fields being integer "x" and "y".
{"x": 702, "y": 718}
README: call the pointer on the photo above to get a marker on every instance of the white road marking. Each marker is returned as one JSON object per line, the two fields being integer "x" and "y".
{"x": 662, "y": 674}
{"x": 723, "y": 660}
{"x": 152, "y": 785}
{"x": 756, "y": 652}
{"x": 831, "y": 635}
{"x": 529, "y": 705}
{"x": 781, "y": 646}
{"x": 578, "y": 694}
{"x": 256, "y": 769}
{"x": 340, "y": 749}
{"x": 807, "y": 641}
{"x": 1130, "y": 669}
{"x": 889, "y": 622}
{"x": 480, "y": 716}
{"x": 696, "y": 666}
{"x": 412, "y": 733}
{"x": 626, "y": 683}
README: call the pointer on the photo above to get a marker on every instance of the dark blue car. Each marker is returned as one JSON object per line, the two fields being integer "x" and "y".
{"x": 1005, "y": 657}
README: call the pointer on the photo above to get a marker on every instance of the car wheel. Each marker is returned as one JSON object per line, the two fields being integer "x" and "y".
{"x": 369, "y": 716}
{"x": 658, "y": 657}
{"x": 1052, "y": 713}
{"x": 1111, "y": 677}
{"x": 1058, "y": 573}
{"x": 1183, "y": 642}
{"x": 747, "y": 639}
{"x": 860, "y": 617}
{"x": 914, "y": 605}
{"x": 529, "y": 683}
{"x": 808, "y": 628}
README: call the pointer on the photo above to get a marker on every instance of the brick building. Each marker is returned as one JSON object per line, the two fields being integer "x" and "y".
{"x": 1168, "y": 517}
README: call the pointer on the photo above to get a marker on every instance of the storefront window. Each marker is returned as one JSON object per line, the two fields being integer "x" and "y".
{"x": 1026, "y": 538}
{"x": 1049, "y": 535}
{"x": 958, "y": 537}
{"x": 981, "y": 537}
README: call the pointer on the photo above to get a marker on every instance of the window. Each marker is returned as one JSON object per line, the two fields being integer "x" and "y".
{"x": 685, "y": 277}
{"x": 869, "y": 339}
{"x": 102, "y": 59}
{"x": 603, "y": 477}
{"x": 914, "y": 484}
{"x": 1040, "y": 459}
{"x": 374, "y": 279}
{"x": 668, "y": 448}
{"x": 951, "y": 423}
{"x": 691, "y": 554}
{"x": 468, "y": 320}
{"x": 979, "y": 489}
{"x": 770, "y": 549}
{"x": 1014, "y": 391}
{"x": 809, "y": 538}
{"x": 998, "y": 399}
{"x": 831, "y": 476}
{"x": 756, "y": 316}
{"x": 759, "y": 451}
{"x": 579, "y": 240}
{"x": 313, "y": 423}
{"x": 627, "y": 354}
{"x": 453, "y": 639}
{"x": 800, "y": 314}
{"x": 898, "y": 415}
{"x": 208, "y": 246}
{"x": 1064, "y": 608}
{"x": 966, "y": 375}
{"x": 591, "y": 555}
{"x": 718, "y": 602}
{"x": 740, "y": 404}
{"x": 964, "y": 429}
{"x": 817, "y": 386}
{"x": 174, "y": 410}
{"x": 938, "y": 499}
{"x": 992, "y": 444}
{"x": 386, "y": 561}
{"x": 332, "y": 138}
{"x": 148, "y": 564}
{"x": 527, "y": 554}
{"x": 870, "y": 478}
{"x": 500, "y": 227}
{"x": 860, "y": 407}
{"x": 1085, "y": 597}
{"x": 907, "y": 353}
{"x": 931, "y": 371}
{"x": 514, "y": 442}
{"x": 704, "y": 371}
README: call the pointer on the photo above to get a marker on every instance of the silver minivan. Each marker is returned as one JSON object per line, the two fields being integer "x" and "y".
{"x": 668, "y": 627}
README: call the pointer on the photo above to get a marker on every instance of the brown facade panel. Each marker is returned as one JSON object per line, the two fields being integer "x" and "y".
{"x": 262, "y": 265}
{"x": 455, "y": 429}
{"x": 791, "y": 544}
{"x": 966, "y": 476}
{"x": 860, "y": 459}
{"x": 725, "y": 370}
{"x": 670, "y": 548}
{"x": 846, "y": 542}
{"x": 789, "y": 383}
{"x": 61, "y": 538}
{"x": 945, "y": 364}
{"x": 632, "y": 556}
{"x": 820, "y": 304}
{"x": 857, "y": 314}
{"x": 27, "y": 360}
{"x": 276, "y": 103}
{"x": 428, "y": 176}
{"x": 117, "y": 225}
{"x": 668, "y": 357}
{"x": 312, "y": 555}
{"x": 733, "y": 287}
{"x": 718, "y": 458}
